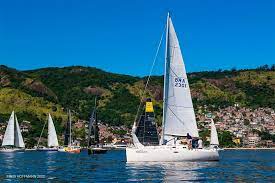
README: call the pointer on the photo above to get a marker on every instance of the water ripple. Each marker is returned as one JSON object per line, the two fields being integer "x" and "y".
{"x": 234, "y": 166}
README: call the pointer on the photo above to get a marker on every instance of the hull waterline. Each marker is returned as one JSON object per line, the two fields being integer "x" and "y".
{"x": 170, "y": 154}
{"x": 97, "y": 150}
{"x": 11, "y": 150}
{"x": 47, "y": 149}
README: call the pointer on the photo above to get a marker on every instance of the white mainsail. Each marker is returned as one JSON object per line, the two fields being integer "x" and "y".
{"x": 178, "y": 112}
{"x": 13, "y": 136}
{"x": 214, "y": 136}
{"x": 52, "y": 137}
{"x": 18, "y": 142}
{"x": 9, "y": 134}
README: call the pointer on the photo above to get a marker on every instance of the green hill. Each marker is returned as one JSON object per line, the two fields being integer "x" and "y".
{"x": 38, "y": 92}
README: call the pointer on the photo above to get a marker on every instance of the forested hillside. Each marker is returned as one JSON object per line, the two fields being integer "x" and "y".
{"x": 38, "y": 92}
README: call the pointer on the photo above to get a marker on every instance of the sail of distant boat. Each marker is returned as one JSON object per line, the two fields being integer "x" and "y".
{"x": 94, "y": 146}
{"x": 18, "y": 142}
{"x": 13, "y": 136}
{"x": 52, "y": 137}
{"x": 214, "y": 141}
{"x": 178, "y": 112}
{"x": 93, "y": 136}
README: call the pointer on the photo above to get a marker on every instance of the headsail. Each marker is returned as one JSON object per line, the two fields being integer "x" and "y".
{"x": 18, "y": 141}
{"x": 214, "y": 136}
{"x": 178, "y": 113}
{"x": 9, "y": 134}
{"x": 52, "y": 137}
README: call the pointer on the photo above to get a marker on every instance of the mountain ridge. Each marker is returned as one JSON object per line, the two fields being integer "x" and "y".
{"x": 75, "y": 87}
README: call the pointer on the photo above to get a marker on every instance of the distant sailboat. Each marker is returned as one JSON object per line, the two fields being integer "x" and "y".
{"x": 13, "y": 140}
{"x": 214, "y": 141}
{"x": 68, "y": 143}
{"x": 93, "y": 135}
{"x": 52, "y": 143}
{"x": 178, "y": 114}
{"x": 146, "y": 131}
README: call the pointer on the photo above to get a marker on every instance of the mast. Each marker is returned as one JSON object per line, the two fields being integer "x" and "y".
{"x": 96, "y": 135}
{"x": 67, "y": 130}
{"x": 70, "y": 130}
{"x": 166, "y": 77}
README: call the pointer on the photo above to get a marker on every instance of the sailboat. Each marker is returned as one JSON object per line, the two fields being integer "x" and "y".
{"x": 179, "y": 119}
{"x": 146, "y": 131}
{"x": 94, "y": 147}
{"x": 13, "y": 140}
{"x": 67, "y": 134}
{"x": 68, "y": 138}
{"x": 214, "y": 141}
{"x": 52, "y": 144}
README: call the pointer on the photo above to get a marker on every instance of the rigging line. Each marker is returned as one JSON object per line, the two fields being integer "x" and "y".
{"x": 41, "y": 133}
{"x": 151, "y": 70}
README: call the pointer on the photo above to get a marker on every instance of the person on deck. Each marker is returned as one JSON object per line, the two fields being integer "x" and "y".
{"x": 189, "y": 140}
{"x": 188, "y": 136}
{"x": 200, "y": 144}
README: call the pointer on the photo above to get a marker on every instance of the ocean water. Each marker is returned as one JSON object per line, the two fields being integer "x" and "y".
{"x": 234, "y": 166}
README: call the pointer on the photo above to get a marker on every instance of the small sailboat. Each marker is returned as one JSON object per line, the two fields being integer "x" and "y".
{"x": 179, "y": 120}
{"x": 52, "y": 143}
{"x": 146, "y": 131}
{"x": 13, "y": 140}
{"x": 69, "y": 147}
{"x": 214, "y": 141}
{"x": 94, "y": 147}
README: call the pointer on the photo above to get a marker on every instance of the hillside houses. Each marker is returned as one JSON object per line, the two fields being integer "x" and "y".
{"x": 243, "y": 122}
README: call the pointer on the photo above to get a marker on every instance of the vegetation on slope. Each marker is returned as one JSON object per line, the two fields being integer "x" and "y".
{"x": 35, "y": 93}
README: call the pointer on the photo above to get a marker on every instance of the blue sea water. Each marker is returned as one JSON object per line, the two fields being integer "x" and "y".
{"x": 234, "y": 166}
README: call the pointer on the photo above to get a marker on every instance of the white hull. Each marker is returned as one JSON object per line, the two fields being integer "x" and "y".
{"x": 61, "y": 150}
{"x": 170, "y": 154}
{"x": 11, "y": 150}
{"x": 47, "y": 149}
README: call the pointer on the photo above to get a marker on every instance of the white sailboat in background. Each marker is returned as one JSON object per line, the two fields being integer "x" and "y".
{"x": 13, "y": 140}
{"x": 178, "y": 114}
{"x": 52, "y": 144}
{"x": 214, "y": 141}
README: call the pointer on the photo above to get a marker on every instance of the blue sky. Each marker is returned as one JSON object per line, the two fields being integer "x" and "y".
{"x": 122, "y": 35}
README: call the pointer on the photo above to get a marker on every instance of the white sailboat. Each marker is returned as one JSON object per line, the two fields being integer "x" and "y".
{"x": 52, "y": 144}
{"x": 13, "y": 140}
{"x": 214, "y": 141}
{"x": 178, "y": 114}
